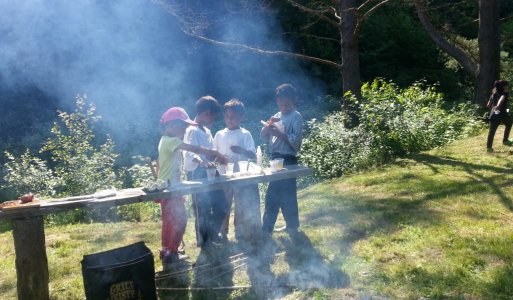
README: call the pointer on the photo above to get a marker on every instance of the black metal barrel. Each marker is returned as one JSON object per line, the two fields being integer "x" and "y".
{"x": 123, "y": 273}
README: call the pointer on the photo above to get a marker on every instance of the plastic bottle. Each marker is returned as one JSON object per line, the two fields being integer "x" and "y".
{"x": 259, "y": 156}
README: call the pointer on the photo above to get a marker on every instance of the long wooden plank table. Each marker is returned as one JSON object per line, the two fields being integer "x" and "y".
{"x": 28, "y": 225}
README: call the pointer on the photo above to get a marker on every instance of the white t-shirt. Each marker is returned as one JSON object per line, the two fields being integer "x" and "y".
{"x": 226, "y": 138}
{"x": 195, "y": 136}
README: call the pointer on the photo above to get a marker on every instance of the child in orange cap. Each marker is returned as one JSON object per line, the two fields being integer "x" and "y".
{"x": 174, "y": 122}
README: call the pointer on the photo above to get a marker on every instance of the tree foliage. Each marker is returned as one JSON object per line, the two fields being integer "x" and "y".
{"x": 78, "y": 165}
{"x": 27, "y": 173}
{"x": 393, "y": 122}
{"x": 82, "y": 166}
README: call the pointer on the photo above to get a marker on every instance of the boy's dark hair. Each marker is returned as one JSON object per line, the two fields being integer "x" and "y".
{"x": 208, "y": 104}
{"x": 286, "y": 91}
{"x": 499, "y": 85}
{"x": 236, "y": 105}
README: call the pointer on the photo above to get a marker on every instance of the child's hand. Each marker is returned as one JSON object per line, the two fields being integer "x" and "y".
{"x": 274, "y": 119}
{"x": 267, "y": 126}
{"x": 222, "y": 159}
{"x": 275, "y": 132}
{"x": 242, "y": 151}
{"x": 209, "y": 164}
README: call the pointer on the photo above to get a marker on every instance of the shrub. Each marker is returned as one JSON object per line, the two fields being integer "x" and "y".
{"x": 27, "y": 174}
{"x": 82, "y": 167}
{"x": 393, "y": 123}
{"x": 77, "y": 166}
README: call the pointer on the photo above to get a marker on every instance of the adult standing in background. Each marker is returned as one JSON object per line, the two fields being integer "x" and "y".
{"x": 498, "y": 103}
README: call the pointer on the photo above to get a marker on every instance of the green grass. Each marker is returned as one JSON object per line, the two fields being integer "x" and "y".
{"x": 435, "y": 225}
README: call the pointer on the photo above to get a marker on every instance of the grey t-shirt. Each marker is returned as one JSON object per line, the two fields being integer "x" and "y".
{"x": 293, "y": 128}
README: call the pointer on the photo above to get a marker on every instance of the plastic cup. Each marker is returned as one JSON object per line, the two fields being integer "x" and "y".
{"x": 221, "y": 169}
{"x": 280, "y": 163}
{"x": 211, "y": 173}
{"x": 274, "y": 165}
{"x": 243, "y": 166}
{"x": 229, "y": 168}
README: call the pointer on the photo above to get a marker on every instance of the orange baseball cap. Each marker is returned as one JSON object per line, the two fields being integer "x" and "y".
{"x": 176, "y": 113}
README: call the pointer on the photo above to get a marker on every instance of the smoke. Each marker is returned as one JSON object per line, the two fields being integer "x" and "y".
{"x": 133, "y": 61}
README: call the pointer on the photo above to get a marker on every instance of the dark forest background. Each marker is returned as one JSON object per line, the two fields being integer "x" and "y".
{"x": 135, "y": 62}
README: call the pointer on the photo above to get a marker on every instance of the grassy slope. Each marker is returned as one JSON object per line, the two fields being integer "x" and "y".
{"x": 438, "y": 225}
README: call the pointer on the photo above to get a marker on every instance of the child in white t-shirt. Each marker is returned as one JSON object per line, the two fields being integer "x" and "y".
{"x": 237, "y": 144}
{"x": 210, "y": 208}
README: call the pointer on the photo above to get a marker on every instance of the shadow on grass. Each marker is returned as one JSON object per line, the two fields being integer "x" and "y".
{"x": 173, "y": 282}
{"x": 209, "y": 277}
{"x": 502, "y": 285}
{"x": 8, "y": 286}
{"x": 213, "y": 268}
{"x": 5, "y": 226}
{"x": 404, "y": 202}
{"x": 473, "y": 170}
{"x": 364, "y": 215}
{"x": 308, "y": 269}
{"x": 212, "y": 275}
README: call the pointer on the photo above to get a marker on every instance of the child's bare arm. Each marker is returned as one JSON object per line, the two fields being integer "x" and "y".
{"x": 202, "y": 150}
{"x": 270, "y": 130}
{"x": 500, "y": 102}
{"x": 268, "y": 125}
{"x": 264, "y": 133}
{"x": 240, "y": 150}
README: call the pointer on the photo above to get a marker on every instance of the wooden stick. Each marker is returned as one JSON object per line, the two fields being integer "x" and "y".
{"x": 222, "y": 287}
{"x": 152, "y": 168}
{"x": 205, "y": 288}
{"x": 165, "y": 274}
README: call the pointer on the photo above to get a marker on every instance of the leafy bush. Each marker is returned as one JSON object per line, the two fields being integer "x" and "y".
{"x": 82, "y": 167}
{"x": 79, "y": 165}
{"x": 28, "y": 174}
{"x": 393, "y": 122}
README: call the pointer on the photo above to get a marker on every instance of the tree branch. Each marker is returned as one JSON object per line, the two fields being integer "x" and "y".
{"x": 318, "y": 13}
{"x": 373, "y": 9}
{"x": 190, "y": 27}
{"x": 463, "y": 59}
{"x": 265, "y": 52}
{"x": 361, "y": 17}
{"x": 313, "y": 36}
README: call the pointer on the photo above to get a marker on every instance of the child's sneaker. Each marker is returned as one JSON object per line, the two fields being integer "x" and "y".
{"x": 508, "y": 143}
{"x": 169, "y": 257}
{"x": 181, "y": 249}
{"x": 489, "y": 150}
{"x": 280, "y": 229}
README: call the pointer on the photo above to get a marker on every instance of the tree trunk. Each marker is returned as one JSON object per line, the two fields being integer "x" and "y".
{"x": 489, "y": 50}
{"x": 461, "y": 57}
{"x": 488, "y": 68}
{"x": 350, "y": 68}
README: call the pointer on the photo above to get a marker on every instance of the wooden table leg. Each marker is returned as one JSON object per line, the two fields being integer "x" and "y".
{"x": 31, "y": 260}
